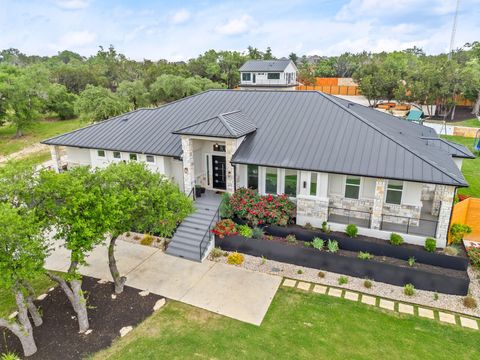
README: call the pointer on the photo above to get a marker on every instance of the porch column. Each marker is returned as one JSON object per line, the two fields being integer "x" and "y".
{"x": 230, "y": 148}
{"x": 188, "y": 164}
{"x": 446, "y": 202}
{"x": 377, "y": 208}
{"x": 56, "y": 157}
{"x": 437, "y": 199}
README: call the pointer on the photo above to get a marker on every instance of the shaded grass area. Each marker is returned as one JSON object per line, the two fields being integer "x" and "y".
{"x": 469, "y": 123}
{"x": 470, "y": 167}
{"x": 37, "y": 132}
{"x": 298, "y": 325}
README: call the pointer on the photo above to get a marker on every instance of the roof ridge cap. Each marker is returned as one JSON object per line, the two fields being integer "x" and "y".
{"x": 226, "y": 124}
{"x": 366, "y": 122}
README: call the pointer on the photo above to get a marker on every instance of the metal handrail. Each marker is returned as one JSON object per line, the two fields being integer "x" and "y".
{"x": 408, "y": 224}
{"x": 192, "y": 193}
{"x": 350, "y": 211}
{"x": 207, "y": 235}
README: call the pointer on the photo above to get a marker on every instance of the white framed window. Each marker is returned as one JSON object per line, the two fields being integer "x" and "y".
{"x": 394, "y": 192}
{"x": 101, "y": 153}
{"x": 117, "y": 155}
{"x": 291, "y": 182}
{"x": 273, "y": 76}
{"x": 133, "y": 157}
{"x": 150, "y": 159}
{"x": 352, "y": 187}
{"x": 246, "y": 76}
{"x": 271, "y": 180}
{"x": 313, "y": 184}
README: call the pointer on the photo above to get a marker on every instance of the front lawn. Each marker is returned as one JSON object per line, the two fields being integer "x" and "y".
{"x": 39, "y": 131}
{"x": 470, "y": 167}
{"x": 297, "y": 326}
{"x": 469, "y": 123}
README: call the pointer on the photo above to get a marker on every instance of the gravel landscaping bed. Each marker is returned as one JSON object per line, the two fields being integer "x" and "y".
{"x": 421, "y": 297}
{"x": 136, "y": 238}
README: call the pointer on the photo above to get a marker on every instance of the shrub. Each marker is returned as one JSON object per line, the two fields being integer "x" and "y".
{"x": 245, "y": 231}
{"x": 9, "y": 356}
{"x": 307, "y": 244}
{"x": 226, "y": 211}
{"x": 262, "y": 209}
{"x": 411, "y": 261}
{"x": 367, "y": 283}
{"x": 435, "y": 296}
{"x": 128, "y": 234}
{"x": 325, "y": 227}
{"x": 321, "y": 274}
{"x": 365, "y": 255}
{"x": 264, "y": 260}
{"x": 270, "y": 237}
{"x": 235, "y": 258}
{"x": 396, "y": 239}
{"x": 299, "y": 271}
{"x": 469, "y": 302}
{"x": 216, "y": 252}
{"x": 351, "y": 230}
{"x": 332, "y": 246}
{"x": 458, "y": 231}
{"x": 430, "y": 245}
{"x": 308, "y": 226}
{"x": 257, "y": 233}
{"x": 318, "y": 243}
{"x": 147, "y": 240}
{"x": 224, "y": 228}
{"x": 474, "y": 256}
{"x": 450, "y": 250}
{"x": 291, "y": 238}
{"x": 409, "y": 290}
{"x": 342, "y": 280}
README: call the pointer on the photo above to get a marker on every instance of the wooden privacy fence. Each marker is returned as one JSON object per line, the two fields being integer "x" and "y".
{"x": 467, "y": 212}
{"x": 332, "y": 89}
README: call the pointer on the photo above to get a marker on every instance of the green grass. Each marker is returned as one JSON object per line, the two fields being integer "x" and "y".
{"x": 37, "y": 132}
{"x": 469, "y": 123}
{"x": 470, "y": 167}
{"x": 298, "y": 325}
{"x": 7, "y": 300}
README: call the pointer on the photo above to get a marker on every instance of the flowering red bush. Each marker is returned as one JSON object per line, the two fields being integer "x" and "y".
{"x": 262, "y": 209}
{"x": 225, "y": 227}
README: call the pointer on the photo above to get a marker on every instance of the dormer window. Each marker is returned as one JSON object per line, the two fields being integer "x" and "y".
{"x": 273, "y": 76}
{"x": 246, "y": 76}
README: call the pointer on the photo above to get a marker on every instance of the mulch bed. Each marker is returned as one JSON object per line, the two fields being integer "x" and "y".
{"x": 58, "y": 337}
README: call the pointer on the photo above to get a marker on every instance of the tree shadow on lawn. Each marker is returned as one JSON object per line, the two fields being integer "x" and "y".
{"x": 58, "y": 337}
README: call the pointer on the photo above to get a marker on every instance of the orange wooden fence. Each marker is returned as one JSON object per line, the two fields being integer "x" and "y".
{"x": 332, "y": 89}
{"x": 467, "y": 212}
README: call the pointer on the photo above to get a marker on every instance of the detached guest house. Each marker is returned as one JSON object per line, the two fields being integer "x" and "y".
{"x": 340, "y": 162}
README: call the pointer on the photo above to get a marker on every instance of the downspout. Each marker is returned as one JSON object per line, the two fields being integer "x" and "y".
{"x": 234, "y": 177}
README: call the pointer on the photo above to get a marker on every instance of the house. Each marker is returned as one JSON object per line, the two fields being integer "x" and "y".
{"x": 268, "y": 74}
{"x": 340, "y": 162}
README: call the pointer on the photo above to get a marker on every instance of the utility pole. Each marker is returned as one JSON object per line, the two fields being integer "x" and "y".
{"x": 454, "y": 29}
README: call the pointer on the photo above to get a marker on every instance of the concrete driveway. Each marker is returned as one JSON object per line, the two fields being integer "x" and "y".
{"x": 227, "y": 290}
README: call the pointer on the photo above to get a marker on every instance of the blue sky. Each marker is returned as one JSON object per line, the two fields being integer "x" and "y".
{"x": 179, "y": 30}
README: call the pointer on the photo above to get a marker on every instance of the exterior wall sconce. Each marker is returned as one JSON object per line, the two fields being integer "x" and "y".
{"x": 304, "y": 184}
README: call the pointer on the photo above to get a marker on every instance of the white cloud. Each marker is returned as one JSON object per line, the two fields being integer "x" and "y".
{"x": 76, "y": 39}
{"x": 241, "y": 25}
{"x": 373, "y": 8}
{"x": 73, "y": 4}
{"x": 180, "y": 16}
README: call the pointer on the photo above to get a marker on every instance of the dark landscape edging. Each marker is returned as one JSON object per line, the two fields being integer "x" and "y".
{"x": 358, "y": 244}
{"x": 371, "y": 269}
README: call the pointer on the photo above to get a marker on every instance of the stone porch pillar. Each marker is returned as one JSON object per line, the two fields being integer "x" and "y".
{"x": 56, "y": 157}
{"x": 445, "y": 210}
{"x": 378, "y": 200}
{"x": 437, "y": 199}
{"x": 231, "y": 146}
{"x": 188, "y": 164}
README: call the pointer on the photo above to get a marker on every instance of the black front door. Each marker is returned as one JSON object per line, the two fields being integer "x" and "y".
{"x": 219, "y": 172}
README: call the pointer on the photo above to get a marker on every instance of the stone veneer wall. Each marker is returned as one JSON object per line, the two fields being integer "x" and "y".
{"x": 188, "y": 164}
{"x": 401, "y": 214}
{"x": 446, "y": 199}
{"x": 344, "y": 206}
{"x": 428, "y": 191}
{"x": 311, "y": 210}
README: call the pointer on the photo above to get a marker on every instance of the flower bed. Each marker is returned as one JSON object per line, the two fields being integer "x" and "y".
{"x": 382, "y": 269}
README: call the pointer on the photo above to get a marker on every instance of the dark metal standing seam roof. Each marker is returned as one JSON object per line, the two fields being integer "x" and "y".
{"x": 304, "y": 130}
{"x": 265, "y": 65}
{"x": 456, "y": 150}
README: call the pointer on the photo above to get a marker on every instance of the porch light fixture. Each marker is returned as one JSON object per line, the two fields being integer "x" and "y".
{"x": 304, "y": 184}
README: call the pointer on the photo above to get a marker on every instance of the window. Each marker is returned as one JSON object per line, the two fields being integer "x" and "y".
{"x": 252, "y": 177}
{"x": 273, "y": 76}
{"x": 150, "y": 158}
{"x": 291, "y": 183}
{"x": 352, "y": 187}
{"x": 116, "y": 155}
{"x": 133, "y": 157}
{"x": 313, "y": 184}
{"x": 246, "y": 76}
{"x": 101, "y": 153}
{"x": 271, "y": 181}
{"x": 394, "y": 192}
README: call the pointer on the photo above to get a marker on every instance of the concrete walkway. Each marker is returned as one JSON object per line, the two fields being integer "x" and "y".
{"x": 227, "y": 290}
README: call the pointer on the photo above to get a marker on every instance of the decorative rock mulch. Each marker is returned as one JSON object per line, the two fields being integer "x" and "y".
{"x": 452, "y": 303}
{"x": 136, "y": 238}
{"x": 386, "y": 304}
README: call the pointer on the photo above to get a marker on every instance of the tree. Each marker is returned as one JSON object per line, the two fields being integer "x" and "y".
{"x": 71, "y": 204}
{"x": 22, "y": 256}
{"x": 325, "y": 67}
{"x": 97, "y": 104}
{"x": 268, "y": 54}
{"x": 60, "y": 101}
{"x": 254, "y": 53}
{"x": 134, "y": 92}
{"x": 137, "y": 198}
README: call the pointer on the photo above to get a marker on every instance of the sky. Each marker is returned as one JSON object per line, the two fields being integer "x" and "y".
{"x": 179, "y": 30}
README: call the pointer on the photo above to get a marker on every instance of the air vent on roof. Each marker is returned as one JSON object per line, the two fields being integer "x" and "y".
{"x": 349, "y": 105}
{"x": 125, "y": 119}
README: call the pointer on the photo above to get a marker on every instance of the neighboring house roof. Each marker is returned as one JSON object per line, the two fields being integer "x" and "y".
{"x": 234, "y": 124}
{"x": 266, "y": 65}
{"x": 305, "y": 130}
{"x": 454, "y": 149}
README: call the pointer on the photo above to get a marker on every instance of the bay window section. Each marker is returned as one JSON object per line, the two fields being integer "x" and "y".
{"x": 271, "y": 176}
{"x": 252, "y": 177}
{"x": 313, "y": 184}
{"x": 394, "y": 192}
{"x": 291, "y": 180}
{"x": 352, "y": 187}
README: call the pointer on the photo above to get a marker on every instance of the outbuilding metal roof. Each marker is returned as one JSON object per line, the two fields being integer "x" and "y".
{"x": 265, "y": 65}
{"x": 304, "y": 130}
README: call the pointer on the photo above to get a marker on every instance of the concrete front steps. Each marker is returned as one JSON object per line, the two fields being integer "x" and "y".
{"x": 186, "y": 240}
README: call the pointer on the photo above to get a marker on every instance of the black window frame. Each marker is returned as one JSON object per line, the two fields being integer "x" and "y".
{"x": 269, "y": 76}
{"x": 245, "y": 75}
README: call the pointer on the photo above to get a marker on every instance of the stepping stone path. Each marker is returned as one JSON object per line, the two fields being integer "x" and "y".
{"x": 41, "y": 297}
{"x": 125, "y": 330}
{"x": 159, "y": 304}
{"x": 144, "y": 293}
{"x": 387, "y": 304}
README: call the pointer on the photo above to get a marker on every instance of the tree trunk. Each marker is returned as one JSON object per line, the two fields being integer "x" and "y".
{"x": 75, "y": 296}
{"x": 32, "y": 309}
{"x": 24, "y": 330}
{"x": 476, "y": 106}
{"x": 18, "y": 133}
{"x": 112, "y": 263}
